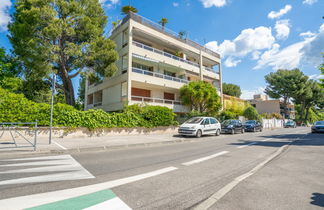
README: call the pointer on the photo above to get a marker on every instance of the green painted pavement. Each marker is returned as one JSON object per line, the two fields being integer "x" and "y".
{"x": 77, "y": 203}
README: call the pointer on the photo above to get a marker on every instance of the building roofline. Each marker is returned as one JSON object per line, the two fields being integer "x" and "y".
{"x": 164, "y": 30}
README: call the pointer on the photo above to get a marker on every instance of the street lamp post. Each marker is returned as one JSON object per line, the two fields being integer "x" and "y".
{"x": 52, "y": 107}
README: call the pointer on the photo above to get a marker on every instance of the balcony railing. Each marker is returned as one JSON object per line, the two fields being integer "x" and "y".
{"x": 155, "y": 100}
{"x": 155, "y": 74}
{"x": 211, "y": 70}
{"x": 158, "y": 27}
{"x": 140, "y": 45}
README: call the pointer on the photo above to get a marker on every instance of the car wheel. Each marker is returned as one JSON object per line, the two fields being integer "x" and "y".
{"x": 198, "y": 134}
{"x": 232, "y": 132}
{"x": 242, "y": 131}
{"x": 217, "y": 132}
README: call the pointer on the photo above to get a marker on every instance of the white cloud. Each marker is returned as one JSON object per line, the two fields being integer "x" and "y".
{"x": 310, "y": 2}
{"x": 256, "y": 55}
{"x": 281, "y": 12}
{"x": 316, "y": 76}
{"x": 248, "y": 94}
{"x": 282, "y": 29}
{"x": 175, "y": 4}
{"x": 230, "y": 62}
{"x": 216, "y": 3}
{"x": 4, "y": 14}
{"x": 249, "y": 40}
{"x": 307, "y": 34}
{"x": 111, "y": 1}
{"x": 307, "y": 51}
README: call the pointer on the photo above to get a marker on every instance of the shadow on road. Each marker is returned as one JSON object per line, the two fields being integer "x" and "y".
{"x": 317, "y": 199}
{"x": 279, "y": 140}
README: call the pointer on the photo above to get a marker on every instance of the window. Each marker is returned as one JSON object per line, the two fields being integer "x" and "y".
{"x": 125, "y": 62}
{"x": 142, "y": 66}
{"x": 169, "y": 73}
{"x": 90, "y": 99}
{"x": 124, "y": 89}
{"x": 206, "y": 122}
{"x": 125, "y": 37}
{"x": 213, "y": 121}
{"x": 169, "y": 96}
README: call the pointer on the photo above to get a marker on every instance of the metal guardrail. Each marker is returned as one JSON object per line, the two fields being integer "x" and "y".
{"x": 162, "y": 76}
{"x": 146, "y": 47}
{"x": 16, "y": 128}
{"x": 155, "y": 100}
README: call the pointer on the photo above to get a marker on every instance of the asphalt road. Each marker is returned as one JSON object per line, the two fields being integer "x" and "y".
{"x": 182, "y": 175}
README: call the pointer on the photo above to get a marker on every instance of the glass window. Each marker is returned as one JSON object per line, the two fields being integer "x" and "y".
{"x": 124, "y": 62}
{"x": 206, "y": 122}
{"x": 194, "y": 120}
{"x": 213, "y": 121}
{"x": 124, "y": 89}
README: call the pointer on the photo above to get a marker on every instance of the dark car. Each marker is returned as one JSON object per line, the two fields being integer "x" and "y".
{"x": 318, "y": 127}
{"x": 290, "y": 124}
{"x": 253, "y": 125}
{"x": 232, "y": 126}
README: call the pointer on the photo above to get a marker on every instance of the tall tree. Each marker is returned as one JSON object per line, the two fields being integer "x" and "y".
{"x": 232, "y": 90}
{"x": 200, "y": 96}
{"x": 128, "y": 9}
{"x": 285, "y": 84}
{"x": 62, "y": 37}
{"x": 322, "y": 70}
{"x": 163, "y": 22}
{"x": 315, "y": 98}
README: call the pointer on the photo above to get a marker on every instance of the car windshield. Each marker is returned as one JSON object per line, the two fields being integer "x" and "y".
{"x": 194, "y": 120}
{"x": 290, "y": 122}
{"x": 250, "y": 122}
{"x": 228, "y": 122}
{"x": 319, "y": 123}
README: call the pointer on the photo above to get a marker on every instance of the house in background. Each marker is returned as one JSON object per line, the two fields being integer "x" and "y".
{"x": 154, "y": 64}
{"x": 264, "y": 105}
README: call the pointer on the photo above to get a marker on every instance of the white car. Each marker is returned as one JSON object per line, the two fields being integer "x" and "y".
{"x": 199, "y": 126}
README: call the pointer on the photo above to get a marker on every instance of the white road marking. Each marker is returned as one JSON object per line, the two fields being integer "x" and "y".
{"x": 65, "y": 165}
{"x": 50, "y": 197}
{"x": 246, "y": 145}
{"x": 112, "y": 204}
{"x": 266, "y": 139}
{"x": 57, "y": 144}
{"x": 223, "y": 191}
{"x": 204, "y": 158}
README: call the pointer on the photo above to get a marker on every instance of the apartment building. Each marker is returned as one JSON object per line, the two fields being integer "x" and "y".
{"x": 154, "y": 64}
{"x": 264, "y": 105}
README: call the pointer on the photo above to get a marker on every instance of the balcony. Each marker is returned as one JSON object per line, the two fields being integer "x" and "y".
{"x": 164, "y": 30}
{"x": 155, "y": 100}
{"x": 162, "y": 76}
{"x": 211, "y": 70}
{"x": 160, "y": 52}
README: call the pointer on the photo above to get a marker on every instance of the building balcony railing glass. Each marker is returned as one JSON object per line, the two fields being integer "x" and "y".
{"x": 155, "y": 100}
{"x": 137, "y": 44}
{"x": 155, "y": 74}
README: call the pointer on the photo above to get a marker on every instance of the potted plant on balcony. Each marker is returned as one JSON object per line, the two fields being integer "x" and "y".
{"x": 163, "y": 22}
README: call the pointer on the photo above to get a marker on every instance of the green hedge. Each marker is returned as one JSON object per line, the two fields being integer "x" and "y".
{"x": 16, "y": 108}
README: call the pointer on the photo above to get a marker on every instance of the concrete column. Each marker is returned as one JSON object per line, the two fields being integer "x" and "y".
{"x": 221, "y": 85}
{"x": 130, "y": 59}
{"x": 201, "y": 66}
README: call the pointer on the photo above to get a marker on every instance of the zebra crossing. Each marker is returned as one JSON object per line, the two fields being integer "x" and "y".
{"x": 59, "y": 168}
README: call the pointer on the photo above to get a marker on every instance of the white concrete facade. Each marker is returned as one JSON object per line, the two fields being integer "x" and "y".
{"x": 153, "y": 65}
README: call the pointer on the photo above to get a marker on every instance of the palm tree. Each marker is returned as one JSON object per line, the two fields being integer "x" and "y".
{"x": 127, "y": 9}
{"x": 182, "y": 34}
{"x": 163, "y": 22}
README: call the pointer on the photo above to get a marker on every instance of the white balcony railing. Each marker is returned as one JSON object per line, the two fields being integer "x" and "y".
{"x": 155, "y": 100}
{"x": 140, "y": 45}
{"x": 162, "y": 76}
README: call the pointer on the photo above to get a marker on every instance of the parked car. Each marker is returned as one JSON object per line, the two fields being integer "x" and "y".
{"x": 232, "y": 126}
{"x": 318, "y": 127}
{"x": 253, "y": 125}
{"x": 199, "y": 126}
{"x": 290, "y": 124}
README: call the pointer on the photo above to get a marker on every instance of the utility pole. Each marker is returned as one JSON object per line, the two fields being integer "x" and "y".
{"x": 52, "y": 107}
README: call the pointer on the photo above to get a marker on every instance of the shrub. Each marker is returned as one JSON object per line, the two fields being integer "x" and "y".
{"x": 16, "y": 108}
{"x": 227, "y": 115}
{"x": 251, "y": 113}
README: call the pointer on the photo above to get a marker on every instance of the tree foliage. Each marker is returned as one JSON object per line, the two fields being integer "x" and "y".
{"x": 65, "y": 37}
{"x": 127, "y": 9}
{"x": 200, "y": 96}
{"x": 285, "y": 84}
{"x": 232, "y": 90}
{"x": 322, "y": 70}
{"x": 251, "y": 113}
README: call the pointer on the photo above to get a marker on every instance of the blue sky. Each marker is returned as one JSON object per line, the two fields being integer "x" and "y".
{"x": 254, "y": 37}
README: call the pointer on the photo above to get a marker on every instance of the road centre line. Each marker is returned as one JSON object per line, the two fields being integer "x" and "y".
{"x": 29, "y": 201}
{"x": 204, "y": 158}
{"x": 246, "y": 145}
